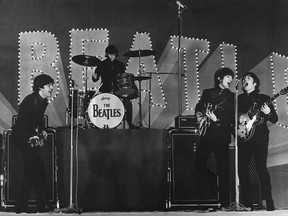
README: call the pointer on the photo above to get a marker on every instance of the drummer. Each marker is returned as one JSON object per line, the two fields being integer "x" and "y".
{"x": 108, "y": 69}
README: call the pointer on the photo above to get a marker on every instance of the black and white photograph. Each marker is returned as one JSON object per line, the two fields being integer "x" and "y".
{"x": 144, "y": 107}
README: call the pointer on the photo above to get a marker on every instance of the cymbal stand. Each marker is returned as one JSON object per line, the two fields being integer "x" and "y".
{"x": 140, "y": 107}
{"x": 140, "y": 91}
{"x": 86, "y": 94}
{"x": 150, "y": 102}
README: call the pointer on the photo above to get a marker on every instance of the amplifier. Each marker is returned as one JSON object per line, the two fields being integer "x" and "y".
{"x": 185, "y": 122}
{"x": 187, "y": 188}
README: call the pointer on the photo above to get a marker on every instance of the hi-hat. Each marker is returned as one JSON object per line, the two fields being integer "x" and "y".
{"x": 140, "y": 78}
{"x": 86, "y": 60}
{"x": 139, "y": 53}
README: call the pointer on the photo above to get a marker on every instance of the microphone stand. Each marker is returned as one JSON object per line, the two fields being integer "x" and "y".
{"x": 236, "y": 206}
{"x": 179, "y": 59}
{"x": 72, "y": 208}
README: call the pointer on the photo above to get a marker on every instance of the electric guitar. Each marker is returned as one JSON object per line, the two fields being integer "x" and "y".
{"x": 247, "y": 122}
{"x": 203, "y": 121}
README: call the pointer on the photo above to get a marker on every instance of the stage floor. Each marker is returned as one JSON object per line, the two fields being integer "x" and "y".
{"x": 168, "y": 213}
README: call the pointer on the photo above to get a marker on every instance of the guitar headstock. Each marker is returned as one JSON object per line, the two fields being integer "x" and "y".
{"x": 284, "y": 91}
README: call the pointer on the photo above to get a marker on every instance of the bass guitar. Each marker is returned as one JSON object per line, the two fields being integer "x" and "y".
{"x": 37, "y": 140}
{"x": 203, "y": 121}
{"x": 247, "y": 122}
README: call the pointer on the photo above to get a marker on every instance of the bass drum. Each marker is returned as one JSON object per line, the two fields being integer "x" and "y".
{"x": 106, "y": 111}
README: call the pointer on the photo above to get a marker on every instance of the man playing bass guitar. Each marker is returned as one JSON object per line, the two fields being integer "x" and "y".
{"x": 215, "y": 115}
{"x": 27, "y": 136}
{"x": 248, "y": 103}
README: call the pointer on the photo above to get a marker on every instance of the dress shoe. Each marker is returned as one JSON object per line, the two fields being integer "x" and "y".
{"x": 45, "y": 208}
{"x": 18, "y": 211}
{"x": 26, "y": 210}
{"x": 214, "y": 186}
{"x": 270, "y": 205}
{"x": 225, "y": 209}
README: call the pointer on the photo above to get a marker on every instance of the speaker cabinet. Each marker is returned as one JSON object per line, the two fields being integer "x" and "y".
{"x": 45, "y": 120}
{"x": 186, "y": 186}
{"x": 189, "y": 189}
{"x": 13, "y": 171}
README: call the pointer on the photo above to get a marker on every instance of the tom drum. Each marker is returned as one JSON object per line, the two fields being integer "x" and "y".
{"x": 125, "y": 85}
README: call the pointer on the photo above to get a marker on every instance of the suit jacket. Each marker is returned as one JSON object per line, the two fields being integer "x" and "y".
{"x": 30, "y": 118}
{"x": 252, "y": 102}
{"x": 223, "y": 102}
{"x": 108, "y": 71}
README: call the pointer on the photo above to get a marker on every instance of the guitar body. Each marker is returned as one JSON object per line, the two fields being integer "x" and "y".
{"x": 248, "y": 121}
{"x": 203, "y": 124}
{"x": 246, "y": 126}
{"x": 204, "y": 121}
{"x": 37, "y": 140}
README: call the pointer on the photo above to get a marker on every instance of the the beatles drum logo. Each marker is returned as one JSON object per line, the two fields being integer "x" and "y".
{"x": 106, "y": 111}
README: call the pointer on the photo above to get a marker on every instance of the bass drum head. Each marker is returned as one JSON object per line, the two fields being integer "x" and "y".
{"x": 106, "y": 111}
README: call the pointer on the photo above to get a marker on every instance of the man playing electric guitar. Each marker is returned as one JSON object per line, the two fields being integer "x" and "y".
{"x": 257, "y": 144}
{"x": 216, "y": 108}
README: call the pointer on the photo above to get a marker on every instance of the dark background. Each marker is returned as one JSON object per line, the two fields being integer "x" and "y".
{"x": 256, "y": 27}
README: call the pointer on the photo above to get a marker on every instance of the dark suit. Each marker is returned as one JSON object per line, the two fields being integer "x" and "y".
{"x": 257, "y": 146}
{"x": 108, "y": 70}
{"x": 217, "y": 138}
{"x": 30, "y": 118}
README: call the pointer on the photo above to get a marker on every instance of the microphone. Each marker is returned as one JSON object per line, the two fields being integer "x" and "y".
{"x": 237, "y": 81}
{"x": 181, "y": 5}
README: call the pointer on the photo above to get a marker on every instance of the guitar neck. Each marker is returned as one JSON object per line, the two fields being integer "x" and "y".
{"x": 256, "y": 112}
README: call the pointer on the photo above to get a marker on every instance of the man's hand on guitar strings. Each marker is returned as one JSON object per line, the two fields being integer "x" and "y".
{"x": 265, "y": 109}
{"x": 199, "y": 116}
{"x": 211, "y": 116}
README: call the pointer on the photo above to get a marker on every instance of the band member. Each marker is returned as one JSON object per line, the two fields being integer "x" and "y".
{"x": 257, "y": 144}
{"x": 108, "y": 71}
{"x": 30, "y": 124}
{"x": 215, "y": 115}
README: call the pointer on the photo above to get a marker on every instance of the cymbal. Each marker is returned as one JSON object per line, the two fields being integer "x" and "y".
{"x": 140, "y": 78}
{"x": 86, "y": 60}
{"x": 139, "y": 53}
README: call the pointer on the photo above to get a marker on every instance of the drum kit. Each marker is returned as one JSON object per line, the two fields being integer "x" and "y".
{"x": 106, "y": 110}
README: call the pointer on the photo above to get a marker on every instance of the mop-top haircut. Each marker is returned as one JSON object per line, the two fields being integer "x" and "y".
{"x": 40, "y": 81}
{"x": 221, "y": 73}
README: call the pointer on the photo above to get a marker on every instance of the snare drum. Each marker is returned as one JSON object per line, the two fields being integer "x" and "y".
{"x": 106, "y": 111}
{"x": 124, "y": 85}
